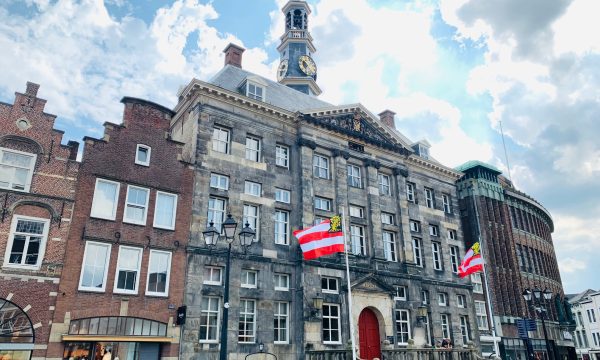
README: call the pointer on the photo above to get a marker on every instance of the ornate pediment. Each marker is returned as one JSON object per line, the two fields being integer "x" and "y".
{"x": 371, "y": 283}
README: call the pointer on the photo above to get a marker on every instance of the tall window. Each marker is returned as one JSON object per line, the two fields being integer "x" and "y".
{"x": 389, "y": 246}
{"x": 445, "y": 323}
{"x": 95, "y": 267}
{"x": 282, "y": 195}
{"x": 331, "y": 324}
{"x": 281, "y": 322}
{"x": 16, "y": 169}
{"x": 252, "y": 148}
{"x": 159, "y": 271}
{"x": 209, "y": 319}
{"x": 461, "y": 301}
{"x": 464, "y": 329}
{"x": 402, "y": 326}
{"x": 252, "y": 188}
{"x": 282, "y": 224}
{"x": 216, "y": 212}
{"x": 454, "y": 259}
{"x": 322, "y": 204}
{"x": 429, "y": 198}
{"x": 417, "y": 252}
{"x": 220, "y": 140}
{"x": 247, "y": 323}
{"x": 142, "y": 155}
{"x": 251, "y": 216}
{"x": 106, "y": 197}
{"x": 477, "y": 284}
{"x": 384, "y": 184}
{"x": 282, "y": 156}
{"x": 128, "y": 270}
{"x": 165, "y": 210}
{"x": 354, "y": 178}
{"x": 425, "y": 297}
{"x": 427, "y": 330}
{"x": 219, "y": 181}
{"x": 357, "y": 236}
{"x": 320, "y": 166}
{"x": 446, "y": 202}
{"x": 482, "y": 321}
{"x": 136, "y": 205}
{"x": 282, "y": 282}
{"x": 27, "y": 242}
{"x": 436, "y": 253}
{"x": 410, "y": 192}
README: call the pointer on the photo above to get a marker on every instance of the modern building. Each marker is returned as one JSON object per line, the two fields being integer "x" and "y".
{"x": 586, "y": 311}
{"x": 275, "y": 157}
{"x": 124, "y": 271}
{"x": 37, "y": 193}
{"x": 515, "y": 234}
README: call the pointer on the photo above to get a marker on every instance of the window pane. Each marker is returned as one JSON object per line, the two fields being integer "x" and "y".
{"x": 104, "y": 203}
{"x": 165, "y": 210}
{"x": 95, "y": 265}
{"x": 158, "y": 271}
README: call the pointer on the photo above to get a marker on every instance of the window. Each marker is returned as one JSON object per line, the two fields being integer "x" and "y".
{"x": 436, "y": 253}
{"x": 322, "y": 204}
{"x": 425, "y": 297}
{"x": 127, "y": 276}
{"x": 136, "y": 205}
{"x": 282, "y": 224}
{"x": 482, "y": 321}
{"x": 320, "y": 166}
{"x": 429, "y": 197}
{"x": 446, "y": 202}
{"x": 249, "y": 278}
{"x": 389, "y": 246}
{"x": 591, "y": 315}
{"x": 95, "y": 267}
{"x": 415, "y": 226}
{"x": 209, "y": 319}
{"x": 354, "y": 178}
{"x": 255, "y": 92}
{"x": 165, "y": 210}
{"x": 464, "y": 329}
{"x": 281, "y": 322}
{"x": 251, "y": 216}
{"x": 282, "y": 282}
{"x": 282, "y": 156}
{"x": 402, "y": 326}
{"x": 417, "y": 252}
{"x": 282, "y": 195}
{"x": 252, "y": 148}
{"x": 427, "y": 330}
{"x": 452, "y": 235}
{"x": 400, "y": 293}
{"x": 410, "y": 192}
{"x": 16, "y": 169}
{"x": 216, "y": 212}
{"x": 318, "y": 220}
{"x": 442, "y": 299}
{"x": 384, "y": 184}
{"x": 357, "y": 211}
{"x": 331, "y": 324}
{"x": 329, "y": 285}
{"x": 220, "y": 140}
{"x": 357, "y": 238}
{"x": 387, "y": 218}
{"x": 461, "y": 301}
{"x": 434, "y": 230}
{"x": 159, "y": 273}
{"x": 106, "y": 197}
{"x": 213, "y": 275}
{"x": 220, "y": 182}
{"x": 142, "y": 155}
{"x": 454, "y": 259}
{"x": 477, "y": 284}
{"x": 445, "y": 322}
{"x": 247, "y": 323}
{"x": 27, "y": 242}
{"x": 252, "y": 188}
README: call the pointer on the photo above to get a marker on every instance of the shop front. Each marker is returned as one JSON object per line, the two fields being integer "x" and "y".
{"x": 16, "y": 332}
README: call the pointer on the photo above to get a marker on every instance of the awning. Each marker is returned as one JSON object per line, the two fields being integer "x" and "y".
{"x": 109, "y": 338}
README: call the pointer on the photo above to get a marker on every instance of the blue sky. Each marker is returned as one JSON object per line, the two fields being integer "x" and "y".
{"x": 452, "y": 70}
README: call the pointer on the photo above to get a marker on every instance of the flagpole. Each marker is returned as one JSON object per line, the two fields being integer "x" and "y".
{"x": 349, "y": 287}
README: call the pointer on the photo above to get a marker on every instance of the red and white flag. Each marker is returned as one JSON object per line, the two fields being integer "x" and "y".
{"x": 472, "y": 263}
{"x": 322, "y": 239}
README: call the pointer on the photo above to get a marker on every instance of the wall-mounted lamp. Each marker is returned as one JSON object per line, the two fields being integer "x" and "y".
{"x": 315, "y": 309}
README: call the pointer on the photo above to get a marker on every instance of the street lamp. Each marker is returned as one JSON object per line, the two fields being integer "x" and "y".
{"x": 537, "y": 302}
{"x": 211, "y": 236}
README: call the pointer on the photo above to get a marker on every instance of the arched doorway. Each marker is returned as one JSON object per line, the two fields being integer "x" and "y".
{"x": 368, "y": 335}
{"x": 16, "y": 332}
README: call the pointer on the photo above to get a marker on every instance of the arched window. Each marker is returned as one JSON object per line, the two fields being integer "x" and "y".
{"x": 16, "y": 331}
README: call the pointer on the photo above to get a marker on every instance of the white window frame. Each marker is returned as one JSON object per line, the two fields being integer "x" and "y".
{"x": 417, "y": 251}
{"x": 27, "y": 186}
{"x": 477, "y": 283}
{"x": 208, "y": 313}
{"x": 434, "y": 230}
{"x": 95, "y": 212}
{"x": 328, "y": 281}
{"x": 218, "y": 178}
{"x": 410, "y": 192}
{"x": 331, "y": 319}
{"x": 213, "y": 212}
{"x": 252, "y": 188}
{"x": 244, "y": 315}
{"x": 388, "y": 218}
{"x": 414, "y": 226}
{"x": 461, "y": 301}
{"x": 255, "y": 94}
{"x": 464, "y": 329}
{"x": 320, "y": 165}
{"x": 174, "y": 218}
{"x": 445, "y": 325}
{"x": 454, "y": 259}
{"x": 145, "y": 207}
{"x": 385, "y": 188}
{"x": 218, "y": 142}
{"x": 401, "y": 291}
{"x": 282, "y": 156}
{"x": 246, "y": 277}
{"x": 446, "y": 203}
{"x": 282, "y": 224}
{"x": 442, "y": 299}
{"x": 252, "y": 219}
{"x": 41, "y": 249}
{"x": 137, "y": 151}
{"x": 354, "y": 176}
{"x": 481, "y": 313}
{"x": 356, "y": 211}
{"x": 106, "y": 266}
{"x": 253, "y": 153}
{"x": 278, "y": 317}
{"x": 119, "y": 267}
{"x": 277, "y": 277}
{"x": 167, "y": 280}
{"x": 428, "y": 197}
{"x": 211, "y": 270}
{"x": 389, "y": 246}
{"x": 452, "y": 235}
{"x": 402, "y": 332}
{"x": 436, "y": 256}
{"x": 282, "y": 195}
{"x": 321, "y": 201}
{"x": 358, "y": 240}
{"x": 424, "y": 297}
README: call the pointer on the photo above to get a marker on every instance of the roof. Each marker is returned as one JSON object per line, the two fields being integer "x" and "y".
{"x": 282, "y": 96}
{"x": 575, "y": 298}
{"x": 475, "y": 163}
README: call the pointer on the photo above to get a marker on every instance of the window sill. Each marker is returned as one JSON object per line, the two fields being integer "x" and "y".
{"x": 157, "y": 295}
{"x": 163, "y": 228}
{"x": 21, "y": 267}
{"x": 142, "y": 164}
{"x": 103, "y": 218}
{"x": 123, "y": 292}
{"x": 134, "y": 223}
{"x": 91, "y": 290}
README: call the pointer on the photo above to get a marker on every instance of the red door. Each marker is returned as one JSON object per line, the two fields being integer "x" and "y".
{"x": 368, "y": 335}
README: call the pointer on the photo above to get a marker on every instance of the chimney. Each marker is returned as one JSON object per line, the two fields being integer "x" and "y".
{"x": 233, "y": 55}
{"x": 32, "y": 89}
{"x": 387, "y": 117}
{"x": 73, "y": 148}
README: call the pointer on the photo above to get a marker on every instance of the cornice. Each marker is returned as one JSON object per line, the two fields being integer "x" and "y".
{"x": 429, "y": 165}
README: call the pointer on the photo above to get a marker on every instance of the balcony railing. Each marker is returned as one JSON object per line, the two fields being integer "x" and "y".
{"x": 399, "y": 354}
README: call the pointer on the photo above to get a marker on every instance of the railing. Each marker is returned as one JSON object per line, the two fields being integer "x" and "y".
{"x": 329, "y": 355}
{"x": 399, "y": 354}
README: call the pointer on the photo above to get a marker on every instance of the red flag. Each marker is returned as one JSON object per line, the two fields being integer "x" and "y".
{"x": 322, "y": 239}
{"x": 472, "y": 262}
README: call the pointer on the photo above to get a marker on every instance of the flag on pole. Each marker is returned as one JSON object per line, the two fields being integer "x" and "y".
{"x": 322, "y": 239}
{"x": 472, "y": 262}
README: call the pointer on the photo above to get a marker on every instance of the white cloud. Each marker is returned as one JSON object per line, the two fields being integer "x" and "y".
{"x": 571, "y": 265}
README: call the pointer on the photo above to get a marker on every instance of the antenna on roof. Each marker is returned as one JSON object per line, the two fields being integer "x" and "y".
{"x": 505, "y": 153}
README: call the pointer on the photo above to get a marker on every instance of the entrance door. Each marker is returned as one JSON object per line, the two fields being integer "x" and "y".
{"x": 368, "y": 335}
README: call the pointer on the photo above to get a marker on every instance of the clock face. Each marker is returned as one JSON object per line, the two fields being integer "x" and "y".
{"x": 282, "y": 69}
{"x": 307, "y": 65}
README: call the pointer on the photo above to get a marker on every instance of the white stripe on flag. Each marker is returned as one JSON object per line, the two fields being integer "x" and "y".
{"x": 317, "y": 228}
{"x": 322, "y": 243}
{"x": 474, "y": 262}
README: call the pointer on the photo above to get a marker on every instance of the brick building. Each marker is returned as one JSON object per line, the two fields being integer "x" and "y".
{"x": 124, "y": 270}
{"x": 37, "y": 192}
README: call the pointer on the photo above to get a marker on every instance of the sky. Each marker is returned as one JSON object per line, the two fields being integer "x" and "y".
{"x": 454, "y": 71}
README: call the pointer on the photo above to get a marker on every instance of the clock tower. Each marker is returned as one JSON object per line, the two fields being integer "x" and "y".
{"x": 297, "y": 69}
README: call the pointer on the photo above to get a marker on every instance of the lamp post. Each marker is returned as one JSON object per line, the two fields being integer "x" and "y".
{"x": 211, "y": 236}
{"x": 537, "y": 301}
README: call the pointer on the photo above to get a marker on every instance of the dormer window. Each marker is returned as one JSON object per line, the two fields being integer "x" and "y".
{"x": 254, "y": 87}
{"x": 255, "y": 92}
{"x": 423, "y": 151}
